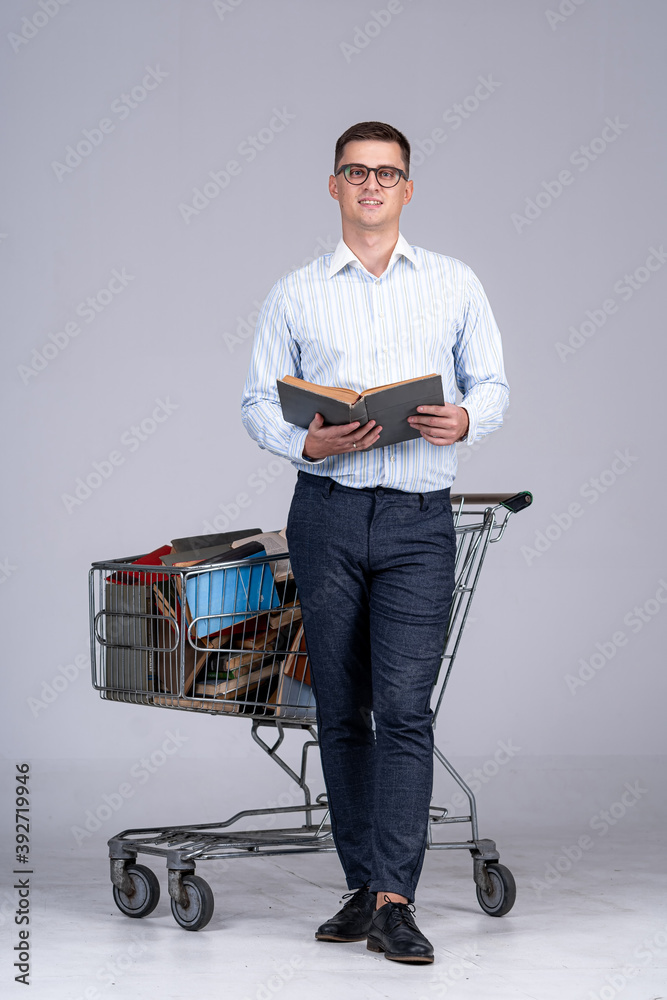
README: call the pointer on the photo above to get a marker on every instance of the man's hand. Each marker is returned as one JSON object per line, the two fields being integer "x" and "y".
{"x": 441, "y": 424}
{"x": 335, "y": 439}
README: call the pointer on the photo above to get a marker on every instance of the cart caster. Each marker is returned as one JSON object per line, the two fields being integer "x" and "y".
{"x": 199, "y": 908}
{"x": 502, "y": 895}
{"x": 144, "y": 895}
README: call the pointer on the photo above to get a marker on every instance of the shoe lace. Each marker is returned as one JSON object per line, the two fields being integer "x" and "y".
{"x": 355, "y": 897}
{"x": 401, "y": 912}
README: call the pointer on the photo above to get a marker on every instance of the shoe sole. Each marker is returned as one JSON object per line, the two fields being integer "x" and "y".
{"x": 342, "y": 940}
{"x": 417, "y": 959}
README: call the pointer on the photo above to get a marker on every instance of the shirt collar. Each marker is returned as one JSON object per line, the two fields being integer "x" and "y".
{"x": 342, "y": 256}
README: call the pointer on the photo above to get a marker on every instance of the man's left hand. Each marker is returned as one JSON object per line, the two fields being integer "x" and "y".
{"x": 441, "y": 424}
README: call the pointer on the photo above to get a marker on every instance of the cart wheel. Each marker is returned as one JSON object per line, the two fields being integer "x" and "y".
{"x": 503, "y": 892}
{"x": 200, "y": 904}
{"x": 145, "y": 892}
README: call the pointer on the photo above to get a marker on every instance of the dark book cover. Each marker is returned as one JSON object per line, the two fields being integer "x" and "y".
{"x": 210, "y": 552}
{"x": 389, "y": 406}
{"x": 207, "y": 541}
{"x": 392, "y": 406}
{"x": 300, "y": 405}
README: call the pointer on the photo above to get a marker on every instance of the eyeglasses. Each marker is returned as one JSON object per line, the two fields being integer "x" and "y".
{"x": 356, "y": 173}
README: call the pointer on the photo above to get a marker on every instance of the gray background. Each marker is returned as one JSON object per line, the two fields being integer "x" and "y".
{"x": 180, "y": 333}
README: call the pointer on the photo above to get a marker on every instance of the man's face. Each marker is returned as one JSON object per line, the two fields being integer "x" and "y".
{"x": 369, "y": 206}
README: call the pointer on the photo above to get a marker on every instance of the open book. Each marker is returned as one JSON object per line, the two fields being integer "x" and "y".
{"x": 389, "y": 405}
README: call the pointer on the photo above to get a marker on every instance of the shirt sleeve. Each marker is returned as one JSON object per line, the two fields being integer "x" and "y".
{"x": 275, "y": 353}
{"x": 478, "y": 364}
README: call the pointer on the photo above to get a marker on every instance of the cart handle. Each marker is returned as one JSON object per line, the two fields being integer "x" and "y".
{"x": 514, "y": 502}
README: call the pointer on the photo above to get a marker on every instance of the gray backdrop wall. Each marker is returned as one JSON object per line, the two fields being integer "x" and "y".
{"x": 165, "y": 162}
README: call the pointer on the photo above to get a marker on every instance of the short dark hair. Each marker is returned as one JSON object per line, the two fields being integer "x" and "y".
{"x": 368, "y": 131}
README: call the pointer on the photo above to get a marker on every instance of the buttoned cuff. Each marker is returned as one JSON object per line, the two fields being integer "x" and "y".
{"x": 473, "y": 422}
{"x": 296, "y": 446}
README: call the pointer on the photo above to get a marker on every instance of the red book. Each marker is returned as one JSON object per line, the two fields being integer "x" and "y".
{"x": 150, "y": 559}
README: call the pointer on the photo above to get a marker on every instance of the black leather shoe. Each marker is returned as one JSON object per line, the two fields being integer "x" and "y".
{"x": 353, "y": 920}
{"x": 394, "y": 931}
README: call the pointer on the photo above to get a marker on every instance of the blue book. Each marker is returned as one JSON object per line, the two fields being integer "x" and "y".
{"x": 220, "y": 598}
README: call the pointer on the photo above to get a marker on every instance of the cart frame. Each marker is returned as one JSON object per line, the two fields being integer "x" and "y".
{"x": 479, "y": 519}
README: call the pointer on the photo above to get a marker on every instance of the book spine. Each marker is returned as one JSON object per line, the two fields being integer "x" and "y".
{"x": 359, "y": 411}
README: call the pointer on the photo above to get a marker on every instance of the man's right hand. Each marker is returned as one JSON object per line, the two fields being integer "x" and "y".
{"x": 335, "y": 439}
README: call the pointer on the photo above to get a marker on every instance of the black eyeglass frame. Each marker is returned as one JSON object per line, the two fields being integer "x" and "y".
{"x": 369, "y": 170}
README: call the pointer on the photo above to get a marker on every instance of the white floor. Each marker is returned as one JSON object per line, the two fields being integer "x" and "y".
{"x": 595, "y": 927}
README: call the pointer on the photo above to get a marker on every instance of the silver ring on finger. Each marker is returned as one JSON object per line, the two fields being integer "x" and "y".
{"x": 354, "y": 444}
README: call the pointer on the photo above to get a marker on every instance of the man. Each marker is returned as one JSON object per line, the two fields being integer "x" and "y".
{"x": 370, "y": 531}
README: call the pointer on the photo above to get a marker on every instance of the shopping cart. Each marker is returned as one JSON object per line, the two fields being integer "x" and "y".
{"x": 228, "y": 639}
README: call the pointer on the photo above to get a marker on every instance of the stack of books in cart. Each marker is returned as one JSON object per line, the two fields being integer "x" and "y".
{"x": 185, "y": 630}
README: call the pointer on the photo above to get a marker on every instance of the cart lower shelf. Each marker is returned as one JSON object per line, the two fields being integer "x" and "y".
{"x": 136, "y": 890}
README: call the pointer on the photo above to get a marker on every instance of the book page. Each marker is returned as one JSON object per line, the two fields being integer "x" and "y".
{"x": 335, "y": 392}
{"x": 379, "y": 388}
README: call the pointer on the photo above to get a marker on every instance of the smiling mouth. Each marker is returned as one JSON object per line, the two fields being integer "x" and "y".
{"x": 369, "y": 201}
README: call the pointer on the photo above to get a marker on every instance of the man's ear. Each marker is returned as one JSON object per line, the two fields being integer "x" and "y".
{"x": 333, "y": 186}
{"x": 409, "y": 189}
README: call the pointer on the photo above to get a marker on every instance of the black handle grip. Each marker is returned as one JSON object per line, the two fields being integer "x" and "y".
{"x": 512, "y": 501}
{"x": 518, "y": 502}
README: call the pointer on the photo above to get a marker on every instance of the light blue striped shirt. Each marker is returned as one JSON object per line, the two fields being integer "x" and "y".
{"x": 334, "y": 323}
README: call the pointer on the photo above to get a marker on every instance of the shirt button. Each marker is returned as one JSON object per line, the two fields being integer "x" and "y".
{"x": 391, "y": 459}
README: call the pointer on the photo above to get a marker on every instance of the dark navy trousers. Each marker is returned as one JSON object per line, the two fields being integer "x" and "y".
{"x": 375, "y": 573}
